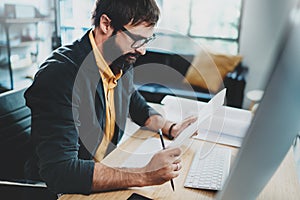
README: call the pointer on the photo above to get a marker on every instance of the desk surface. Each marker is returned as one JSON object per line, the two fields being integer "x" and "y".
{"x": 283, "y": 185}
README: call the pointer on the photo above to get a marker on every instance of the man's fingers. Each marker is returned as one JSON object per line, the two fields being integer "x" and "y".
{"x": 190, "y": 120}
{"x": 178, "y": 160}
{"x": 175, "y": 174}
{"x": 178, "y": 128}
{"x": 176, "y": 166}
{"x": 173, "y": 151}
{"x": 185, "y": 123}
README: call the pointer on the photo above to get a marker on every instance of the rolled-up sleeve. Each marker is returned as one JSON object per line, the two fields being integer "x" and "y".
{"x": 55, "y": 132}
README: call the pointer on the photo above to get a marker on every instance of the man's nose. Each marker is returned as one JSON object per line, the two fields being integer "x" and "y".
{"x": 141, "y": 50}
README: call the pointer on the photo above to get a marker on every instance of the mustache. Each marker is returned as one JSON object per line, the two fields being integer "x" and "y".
{"x": 136, "y": 55}
{"x": 123, "y": 63}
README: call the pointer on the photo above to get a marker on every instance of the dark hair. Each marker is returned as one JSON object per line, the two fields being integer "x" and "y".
{"x": 121, "y": 12}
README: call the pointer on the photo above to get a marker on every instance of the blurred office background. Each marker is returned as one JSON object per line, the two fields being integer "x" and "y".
{"x": 250, "y": 28}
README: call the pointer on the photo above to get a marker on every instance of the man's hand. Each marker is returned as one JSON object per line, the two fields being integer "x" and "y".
{"x": 156, "y": 122}
{"x": 179, "y": 127}
{"x": 163, "y": 166}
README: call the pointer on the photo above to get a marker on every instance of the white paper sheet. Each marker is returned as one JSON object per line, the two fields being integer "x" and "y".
{"x": 143, "y": 154}
{"x": 214, "y": 105}
{"x": 230, "y": 126}
{"x": 219, "y": 138}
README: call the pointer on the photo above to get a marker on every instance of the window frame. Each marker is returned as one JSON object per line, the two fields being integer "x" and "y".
{"x": 207, "y": 38}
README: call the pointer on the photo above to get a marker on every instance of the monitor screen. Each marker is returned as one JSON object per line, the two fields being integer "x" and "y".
{"x": 275, "y": 124}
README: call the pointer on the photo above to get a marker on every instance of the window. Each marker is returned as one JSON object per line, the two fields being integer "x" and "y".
{"x": 75, "y": 18}
{"x": 184, "y": 26}
{"x": 187, "y": 23}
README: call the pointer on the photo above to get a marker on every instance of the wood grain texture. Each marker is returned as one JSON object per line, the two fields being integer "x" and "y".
{"x": 283, "y": 185}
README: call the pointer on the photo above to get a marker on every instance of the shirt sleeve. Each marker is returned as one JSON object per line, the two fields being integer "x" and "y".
{"x": 139, "y": 110}
{"x": 55, "y": 134}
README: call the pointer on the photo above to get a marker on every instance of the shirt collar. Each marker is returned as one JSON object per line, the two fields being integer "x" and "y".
{"x": 103, "y": 67}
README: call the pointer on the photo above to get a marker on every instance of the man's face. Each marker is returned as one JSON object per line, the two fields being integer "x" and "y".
{"x": 129, "y": 43}
{"x": 132, "y": 40}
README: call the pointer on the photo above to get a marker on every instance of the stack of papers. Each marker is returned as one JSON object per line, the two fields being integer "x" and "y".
{"x": 216, "y": 123}
{"x": 229, "y": 130}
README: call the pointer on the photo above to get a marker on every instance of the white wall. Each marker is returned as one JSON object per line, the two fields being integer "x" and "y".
{"x": 263, "y": 23}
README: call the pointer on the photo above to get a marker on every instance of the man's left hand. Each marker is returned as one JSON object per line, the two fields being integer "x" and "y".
{"x": 179, "y": 127}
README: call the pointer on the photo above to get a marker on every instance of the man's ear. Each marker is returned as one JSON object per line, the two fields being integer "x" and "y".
{"x": 105, "y": 25}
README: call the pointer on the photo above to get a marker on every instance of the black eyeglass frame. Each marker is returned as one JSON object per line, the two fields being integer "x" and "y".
{"x": 138, "y": 39}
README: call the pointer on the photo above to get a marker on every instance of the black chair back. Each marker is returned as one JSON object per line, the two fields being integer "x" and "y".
{"x": 15, "y": 121}
{"x": 15, "y": 148}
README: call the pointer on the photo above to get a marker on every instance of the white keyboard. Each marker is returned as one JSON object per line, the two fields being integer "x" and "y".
{"x": 211, "y": 171}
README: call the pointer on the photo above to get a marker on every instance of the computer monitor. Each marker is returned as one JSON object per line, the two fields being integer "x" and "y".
{"x": 275, "y": 124}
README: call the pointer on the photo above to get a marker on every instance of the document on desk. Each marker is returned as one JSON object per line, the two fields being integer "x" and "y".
{"x": 226, "y": 125}
{"x": 229, "y": 130}
{"x": 213, "y": 106}
{"x": 143, "y": 154}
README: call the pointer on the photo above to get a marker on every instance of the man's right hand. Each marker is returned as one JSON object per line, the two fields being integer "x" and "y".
{"x": 163, "y": 166}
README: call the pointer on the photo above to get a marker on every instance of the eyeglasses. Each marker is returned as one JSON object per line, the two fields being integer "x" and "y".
{"x": 138, "y": 40}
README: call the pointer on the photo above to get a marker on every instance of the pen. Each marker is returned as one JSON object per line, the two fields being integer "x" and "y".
{"x": 163, "y": 145}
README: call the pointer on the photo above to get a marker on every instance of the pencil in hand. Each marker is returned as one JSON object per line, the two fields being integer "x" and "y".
{"x": 163, "y": 146}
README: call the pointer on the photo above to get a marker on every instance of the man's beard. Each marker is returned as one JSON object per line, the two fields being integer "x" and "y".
{"x": 114, "y": 54}
{"x": 124, "y": 63}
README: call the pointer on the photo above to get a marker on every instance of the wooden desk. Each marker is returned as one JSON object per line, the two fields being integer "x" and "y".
{"x": 283, "y": 185}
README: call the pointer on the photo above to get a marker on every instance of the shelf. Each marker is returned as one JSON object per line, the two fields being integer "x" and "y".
{"x": 22, "y": 83}
{"x": 23, "y": 65}
{"x": 3, "y": 89}
{"x": 22, "y": 48}
{"x": 24, "y": 20}
{"x": 21, "y": 44}
{"x": 3, "y": 65}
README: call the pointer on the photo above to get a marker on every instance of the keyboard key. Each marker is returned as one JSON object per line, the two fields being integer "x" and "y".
{"x": 211, "y": 171}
